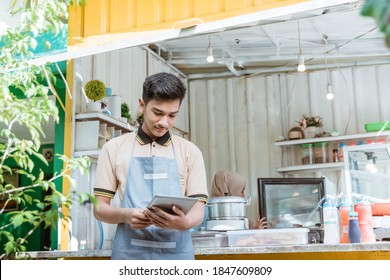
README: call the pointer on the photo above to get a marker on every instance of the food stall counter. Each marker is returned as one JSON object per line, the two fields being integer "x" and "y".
{"x": 362, "y": 251}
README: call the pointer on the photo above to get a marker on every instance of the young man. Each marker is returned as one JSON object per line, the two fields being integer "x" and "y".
{"x": 146, "y": 162}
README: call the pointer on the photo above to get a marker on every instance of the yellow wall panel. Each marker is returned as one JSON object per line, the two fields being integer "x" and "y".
{"x": 108, "y": 16}
{"x": 123, "y": 15}
{"x": 149, "y": 12}
{"x": 76, "y": 22}
{"x": 236, "y": 5}
{"x": 97, "y": 17}
{"x": 207, "y": 7}
{"x": 178, "y": 9}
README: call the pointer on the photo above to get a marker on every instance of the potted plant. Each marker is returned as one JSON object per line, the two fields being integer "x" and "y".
{"x": 95, "y": 91}
{"x": 295, "y": 133}
{"x": 310, "y": 125}
{"x": 125, "y": 112}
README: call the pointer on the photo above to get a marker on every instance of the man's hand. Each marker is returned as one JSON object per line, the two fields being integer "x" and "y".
{"x": 162, "y": 219}
{"x": 137, "y": 219}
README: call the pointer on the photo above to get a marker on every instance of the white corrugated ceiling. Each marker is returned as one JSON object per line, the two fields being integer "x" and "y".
{"x": 262, "y": 42}
{"x": 338, "y": 35}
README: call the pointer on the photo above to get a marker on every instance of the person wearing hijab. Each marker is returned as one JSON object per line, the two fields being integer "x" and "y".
{"x": 228, "y": 183}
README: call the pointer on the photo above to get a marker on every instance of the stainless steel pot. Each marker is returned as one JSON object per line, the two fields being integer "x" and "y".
{"x": 227, "y": 207}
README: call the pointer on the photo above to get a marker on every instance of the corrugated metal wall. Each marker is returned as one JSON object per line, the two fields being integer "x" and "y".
{"x": 235, "y": 122}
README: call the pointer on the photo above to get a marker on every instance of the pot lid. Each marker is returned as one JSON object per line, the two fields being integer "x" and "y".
{"x": 225, "y": 199}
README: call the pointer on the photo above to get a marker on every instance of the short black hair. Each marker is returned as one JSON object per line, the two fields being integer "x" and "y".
{"x": 163, "y": 86}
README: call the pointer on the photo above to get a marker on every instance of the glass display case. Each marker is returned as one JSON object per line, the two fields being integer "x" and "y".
{"x": 367, "y": 171}
{"x": 291, "y": 202}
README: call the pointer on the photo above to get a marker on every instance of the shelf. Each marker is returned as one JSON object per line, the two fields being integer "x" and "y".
{"x": 103, "y": 118}
{"x": 333, "y": 138}
{"x": 91, "y": 135}
{"x": 88, "y": 153}
{"x": 311, "y": 167}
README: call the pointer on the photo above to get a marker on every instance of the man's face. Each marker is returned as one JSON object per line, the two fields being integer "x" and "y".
{"x": 159, "y": 116}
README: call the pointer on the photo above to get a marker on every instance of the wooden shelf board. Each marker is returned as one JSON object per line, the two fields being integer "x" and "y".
{"x": 89, "y": 153}
{"x": 311, "y": 167}
{"x": 103, "y": 118}
{"x": 333, "y": 138}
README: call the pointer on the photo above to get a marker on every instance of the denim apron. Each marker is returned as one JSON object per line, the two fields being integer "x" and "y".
{"x": 148, "y": 176}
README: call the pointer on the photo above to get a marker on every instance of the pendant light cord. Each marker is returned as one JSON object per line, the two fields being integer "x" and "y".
{"x": 325, "y": 38}
{"x": 299, "y": 38}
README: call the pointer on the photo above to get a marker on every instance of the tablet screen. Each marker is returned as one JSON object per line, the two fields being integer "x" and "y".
{"x": 165, "y": 202}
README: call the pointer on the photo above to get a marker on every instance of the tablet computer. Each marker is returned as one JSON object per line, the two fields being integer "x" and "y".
{"x": 165, "y": 202}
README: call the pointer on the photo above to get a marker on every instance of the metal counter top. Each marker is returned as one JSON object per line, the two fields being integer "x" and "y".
{"x": 308, "y": 248}
{"x": 382, "y": 247}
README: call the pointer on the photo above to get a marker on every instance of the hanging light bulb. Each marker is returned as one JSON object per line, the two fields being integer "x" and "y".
{"x": 329, "y": 91}
{"x": 210, "y": 57}
{"x": 301, "y": 63}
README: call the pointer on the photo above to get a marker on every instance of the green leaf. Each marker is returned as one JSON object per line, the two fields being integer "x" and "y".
{"x": 30, "y": 164}
{"x": 7, "y": 168}
{"x": 28, "y": 198}
{"x": 30, "y": 217}
{"x": 380, "y": 11}
{"x": 7, "y": 235}
{"x": 40, "y": 157}
{"x": 27, "y": 174}
{"x": 40, "y": 205}
{"x": 45, "y": 185}
{"x": 17, "y": 220}
{"x": 93, "y": 199}
{"x": 10, "y": 247}
{"x": 41, "y": 175}
{"x": 5, "y": 133}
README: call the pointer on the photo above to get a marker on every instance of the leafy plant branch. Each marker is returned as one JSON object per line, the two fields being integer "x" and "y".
{"x": 379, "y": 10}
{"x": 25, "y": 101}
